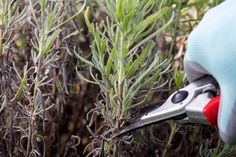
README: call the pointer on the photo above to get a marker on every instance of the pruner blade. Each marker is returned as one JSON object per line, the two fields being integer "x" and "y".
{"x": 175, "y": 107}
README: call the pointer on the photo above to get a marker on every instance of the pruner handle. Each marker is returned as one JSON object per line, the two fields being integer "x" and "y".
{"x": 211, "y": 110}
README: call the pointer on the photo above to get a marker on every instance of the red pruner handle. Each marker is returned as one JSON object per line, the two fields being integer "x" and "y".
{"x": 211, "y": 110}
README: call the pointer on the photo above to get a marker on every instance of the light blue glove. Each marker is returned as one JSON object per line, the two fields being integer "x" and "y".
{"x": 212, "y": 50}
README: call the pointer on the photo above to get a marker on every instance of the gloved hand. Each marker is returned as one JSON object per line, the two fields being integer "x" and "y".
{"x": 212, "y": 50}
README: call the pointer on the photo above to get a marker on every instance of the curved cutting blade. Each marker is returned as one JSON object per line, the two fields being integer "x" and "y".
{"x": 146, "y": 116}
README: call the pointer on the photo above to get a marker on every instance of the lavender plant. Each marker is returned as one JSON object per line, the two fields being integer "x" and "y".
{"x": 11, "y": 19}
{"x": 124, "y": 64}
{"x": 28, "y": 85}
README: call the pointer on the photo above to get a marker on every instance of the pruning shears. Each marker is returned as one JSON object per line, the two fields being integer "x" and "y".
{"x": 197, "y": 102}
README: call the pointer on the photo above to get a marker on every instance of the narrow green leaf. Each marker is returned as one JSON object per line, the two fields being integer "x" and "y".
{"x": 140, "y": 59}
{"x": 150, "y": 69}
{"x": 83, "y": 78}
{"x": 119, "y": 9}
{"x": 110, "y": 62}
{"x": 23, "y": 83}
{"x": 85, "y": 60}
{"x": 134, "y": 105}
{"x": 45, "y": 48}
{"x": 151, "y": 19}
{"x": 147, "y": 7}
{"x": 152, "y": 78}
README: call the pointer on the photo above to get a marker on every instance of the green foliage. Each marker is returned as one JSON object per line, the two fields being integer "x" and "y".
{"x": 23, "y": 81}
{"x": 179, "y": 79}
{"x": 28, "y": 83}
{"x": 227, "y": 151}
{"x": 11, "y": 18}
{"x": 126, "y": 70}
{"x": 42, "y": 64}
{"x": 10, "y": 15}
{"x": 125, "y": 59}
